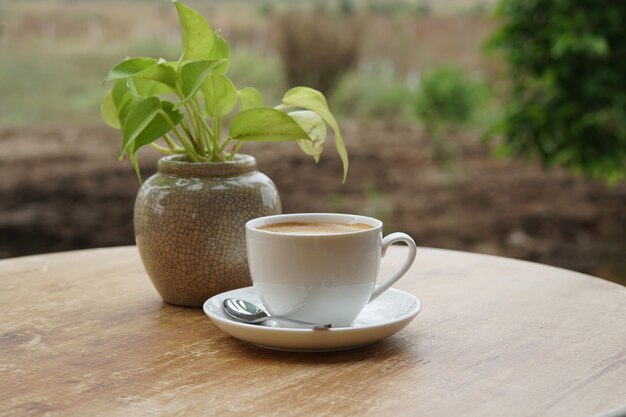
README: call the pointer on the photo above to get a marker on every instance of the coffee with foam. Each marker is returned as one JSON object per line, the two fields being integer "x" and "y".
{"x": 314, "y": 228}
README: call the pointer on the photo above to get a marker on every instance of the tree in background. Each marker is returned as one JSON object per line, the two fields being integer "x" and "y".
{"x": 567, "y": 60}
{"x": 318, "y": 48}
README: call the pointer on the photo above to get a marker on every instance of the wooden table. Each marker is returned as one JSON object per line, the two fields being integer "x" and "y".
{"x": 85, "y": 334}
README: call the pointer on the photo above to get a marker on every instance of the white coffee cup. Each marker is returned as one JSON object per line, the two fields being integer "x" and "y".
{"x": 320, "y": 278}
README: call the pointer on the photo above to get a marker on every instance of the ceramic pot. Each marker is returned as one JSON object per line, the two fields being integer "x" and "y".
{"x": 190, "y": 225}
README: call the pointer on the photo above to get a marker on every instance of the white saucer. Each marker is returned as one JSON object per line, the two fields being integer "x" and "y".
{"x": 383, "y": 317}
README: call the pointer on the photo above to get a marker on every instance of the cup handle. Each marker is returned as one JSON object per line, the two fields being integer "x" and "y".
{"x": 388, "y": 241}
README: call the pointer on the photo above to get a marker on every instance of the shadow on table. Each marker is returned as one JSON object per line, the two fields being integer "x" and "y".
{"x": 395, "y": 346}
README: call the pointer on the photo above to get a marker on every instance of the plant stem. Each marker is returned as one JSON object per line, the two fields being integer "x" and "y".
{"x": 198, "y": 112}
{"x": 199, "y": 142}
{"x": 196, "y": 143}
{"x": 217, "y": 155}
{"x": 233, "y": 152}
{"x": 226, "y": 143}
{"x": 170, "y": 142}
{"x": 165, "y": 150}
{"x": 218, "y": 131}
{"x": 183, "y": 124}
{"x": 188, "y": 146}
{"x": 205, "y": 134}
{"x": 193, "y": 115}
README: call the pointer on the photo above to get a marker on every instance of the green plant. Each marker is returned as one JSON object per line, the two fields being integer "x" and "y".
{"x": 346, "y": 7}
{"x": 388, "y": 7}
{"x": 423, "y": 8}
{"x": 183, "y": 103}
{"x": 373, "y": 95}
{"x": 265, "y": 9}
{"x": 267, "y": 76}
{"x": 447, "y": 99}
{"x": 568, "y": 95}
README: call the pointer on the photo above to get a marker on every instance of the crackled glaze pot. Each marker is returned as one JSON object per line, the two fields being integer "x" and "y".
{"x": 190, "y": 225}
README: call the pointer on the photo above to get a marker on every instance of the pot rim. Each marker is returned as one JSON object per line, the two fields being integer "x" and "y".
{"x": 178, "y": 166}
{"x": 180, "y": 159}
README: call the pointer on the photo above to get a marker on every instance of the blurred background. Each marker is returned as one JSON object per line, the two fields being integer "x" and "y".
{"x": 486, "y": 126}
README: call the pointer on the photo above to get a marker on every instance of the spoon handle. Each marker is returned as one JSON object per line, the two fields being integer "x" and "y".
{"x": 302, "y": 323}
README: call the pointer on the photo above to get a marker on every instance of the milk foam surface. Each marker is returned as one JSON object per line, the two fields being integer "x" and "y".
{"x": 320, "y": 228}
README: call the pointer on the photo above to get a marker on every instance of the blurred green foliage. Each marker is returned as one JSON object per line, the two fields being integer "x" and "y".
{"x": 49, "y": 86}
{"x": 372, "y": 96}
{"x": 567, "y": 61}
{"x": 423, "y": 8}
{"x": 346, "y": 7}
{"x": 387, "y": 7}
{"x": 35, "y": 74}
{"x": 265, "y": 9}
{"x": 447, "y": 99}
{"x": 266, "y": 76}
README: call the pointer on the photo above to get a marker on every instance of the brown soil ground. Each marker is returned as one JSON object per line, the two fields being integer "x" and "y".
{"x": 63, "y": 188}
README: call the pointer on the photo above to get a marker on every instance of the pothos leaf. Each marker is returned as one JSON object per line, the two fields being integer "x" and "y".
{"x": 118, "y": 90}
{"x": 137, "y": 120}
{"x": 310, "y": 99}
{"x": 108, "y": 111}
{"x": 315, "y": 128}
{"x": 263, "y": 124}
{"x": 162, "y": 72}
{"x": 128, "y": 102}
{"x": 249, "y": 97}
{"x": 141, "y": 87}
{"x": 129, "y": 68}
{"x": 135, "y": 163}
{"x": 198, "y": 38}
{"x": 221, "y": 51}
{"x": 158, "y": 127}
{"x": 220, "y": 95}
{"x": 153, "y": 126}
{"x": 114, "y": 100}
{"x": 194, "y": 73}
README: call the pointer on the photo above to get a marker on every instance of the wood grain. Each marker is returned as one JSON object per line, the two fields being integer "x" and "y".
{"x": 84, "y": 333}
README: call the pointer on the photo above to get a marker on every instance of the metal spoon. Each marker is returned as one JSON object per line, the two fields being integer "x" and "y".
{"x": 246, "y": 312}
